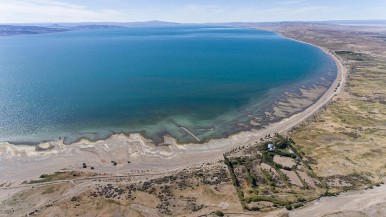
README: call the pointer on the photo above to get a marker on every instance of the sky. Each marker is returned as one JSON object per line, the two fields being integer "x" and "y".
{"x": 189, "y": 11}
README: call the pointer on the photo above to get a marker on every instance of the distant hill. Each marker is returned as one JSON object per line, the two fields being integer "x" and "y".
{"x": 358, "y": 22}
{"x": 41, "y": 28}
{"x": 21, "y": 30}
{"x": 6, "y": 30}
{"x": 153, "y": 23}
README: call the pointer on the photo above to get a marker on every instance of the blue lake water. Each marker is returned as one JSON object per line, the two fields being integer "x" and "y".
{"x": 94, "y": 83}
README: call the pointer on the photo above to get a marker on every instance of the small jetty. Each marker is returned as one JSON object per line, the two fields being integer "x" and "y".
{"x": 190, "y": 133}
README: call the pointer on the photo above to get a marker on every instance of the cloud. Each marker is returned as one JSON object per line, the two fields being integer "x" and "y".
{"x": 53, "y": 11}
{"x": 22, "y": 11}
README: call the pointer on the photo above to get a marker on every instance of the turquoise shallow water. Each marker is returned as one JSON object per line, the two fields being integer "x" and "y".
{"x": 94, "y": 83}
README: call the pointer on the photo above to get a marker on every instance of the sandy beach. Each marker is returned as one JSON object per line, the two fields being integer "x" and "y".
{"x": 133, "y": 159}
{"x": 192, "y": 108}
{"x": 19, "y": 163}
{"x": 338, "y": 156}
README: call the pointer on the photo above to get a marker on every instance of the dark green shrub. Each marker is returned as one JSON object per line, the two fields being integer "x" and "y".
{"x": 219, "y": 213}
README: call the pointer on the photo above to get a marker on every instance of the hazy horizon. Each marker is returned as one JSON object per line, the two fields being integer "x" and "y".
{"x": 71, "y": 11}
{"x": 198, "y": 23}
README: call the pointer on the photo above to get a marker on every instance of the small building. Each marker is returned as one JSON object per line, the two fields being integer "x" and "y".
{"x": 271, "y": 147}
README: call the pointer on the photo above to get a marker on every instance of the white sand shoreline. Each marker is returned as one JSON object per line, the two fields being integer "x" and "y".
{"x": 19, "y": 162}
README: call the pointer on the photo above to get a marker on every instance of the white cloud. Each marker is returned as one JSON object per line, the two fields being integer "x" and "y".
{"x": 53, "y": 11}
{"x": 22, "y": 11}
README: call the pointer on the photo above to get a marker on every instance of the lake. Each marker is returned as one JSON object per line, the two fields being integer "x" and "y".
{"x": 209, "y": 80}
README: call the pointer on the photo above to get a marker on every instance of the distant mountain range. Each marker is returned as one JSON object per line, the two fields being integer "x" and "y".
{"x": 40, "y": 28}
{"x": 21, "y": 30}
{"x": 358, "y": 22}
{"x": 6, "y": 30}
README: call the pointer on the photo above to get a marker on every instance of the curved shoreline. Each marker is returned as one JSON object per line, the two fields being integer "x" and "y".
{"x": 310, "y": 75}
{"x": 144, "y": 154}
